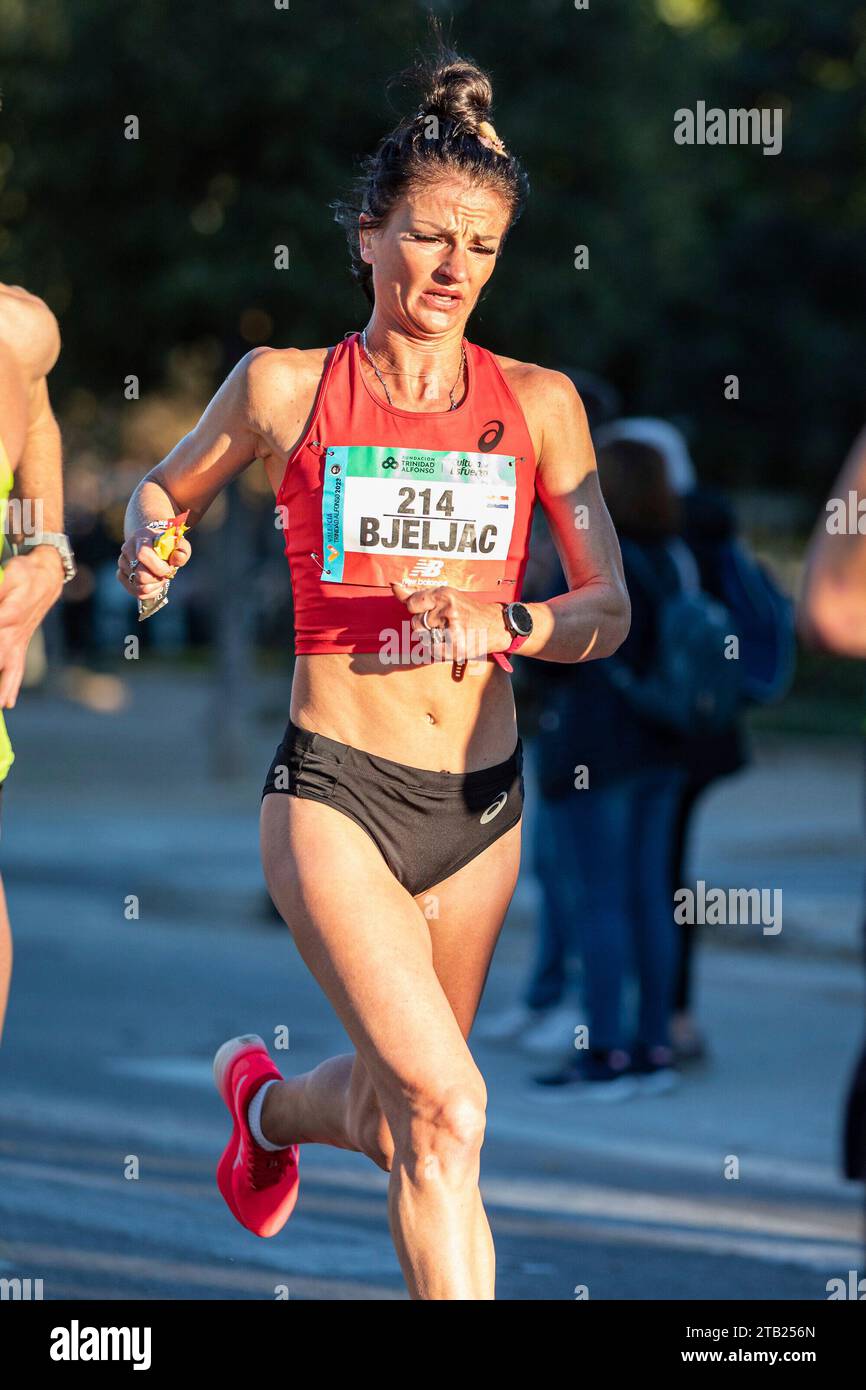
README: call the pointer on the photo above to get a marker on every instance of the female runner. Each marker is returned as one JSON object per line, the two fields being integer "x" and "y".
{"x": 405, "y": 462}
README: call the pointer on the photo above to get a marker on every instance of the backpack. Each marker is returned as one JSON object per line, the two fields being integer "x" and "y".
{"x": 692, "y": 686}
{"x": 763, "y": 619}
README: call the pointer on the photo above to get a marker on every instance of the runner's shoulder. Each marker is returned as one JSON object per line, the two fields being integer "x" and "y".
{"x": 276, "y": 378}
{"x": 271, "y": 370}
{"x": 548, "y": 398}
{"x": 534, "y": 385}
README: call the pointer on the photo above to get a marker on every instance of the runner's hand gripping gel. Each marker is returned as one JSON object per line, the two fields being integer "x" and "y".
{"x": 164, "y": 543}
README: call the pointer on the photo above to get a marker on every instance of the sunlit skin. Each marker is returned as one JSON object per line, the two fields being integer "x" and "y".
{"x": 447, "y": 238}
{"x": 405, "y": 982}
{"x": 29, "y": 346}
{"x": 831, "y": 614}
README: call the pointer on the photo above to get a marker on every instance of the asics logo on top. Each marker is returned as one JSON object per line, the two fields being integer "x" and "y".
{"x": 494, "y": 809}
{"x": 493, "y": 432}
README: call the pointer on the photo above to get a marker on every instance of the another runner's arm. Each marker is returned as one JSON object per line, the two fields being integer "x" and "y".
{"x": 225, "y": 441}
{"x": 832, "y": 607}
{"x": 31, "y": 582}
{"x": 29, "y": 348}
{"x": 593, "y": 618}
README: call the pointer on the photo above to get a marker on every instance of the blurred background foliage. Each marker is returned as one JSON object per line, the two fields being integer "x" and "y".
{"x": 703, "y": 261}
{"x": 157, "y": 253}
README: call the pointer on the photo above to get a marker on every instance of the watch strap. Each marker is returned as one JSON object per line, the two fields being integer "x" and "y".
{"x": 59, "y": 542}
{"x": 501, "y": 658}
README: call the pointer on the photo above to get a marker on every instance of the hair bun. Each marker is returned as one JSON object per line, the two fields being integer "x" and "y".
{"x": 458, "y": 95}
{"x": 458, "y": 91}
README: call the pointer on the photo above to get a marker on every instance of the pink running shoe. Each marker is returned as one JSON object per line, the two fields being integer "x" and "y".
{"x": 260, "y": 1188}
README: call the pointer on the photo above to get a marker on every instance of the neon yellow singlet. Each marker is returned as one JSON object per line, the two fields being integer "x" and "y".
{"x": 6, "y": 481}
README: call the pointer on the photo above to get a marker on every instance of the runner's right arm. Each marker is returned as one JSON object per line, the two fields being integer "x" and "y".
{"x": 225, "y": 441}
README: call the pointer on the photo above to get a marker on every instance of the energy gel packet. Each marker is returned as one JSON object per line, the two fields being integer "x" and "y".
{"x": 169, "y": 533}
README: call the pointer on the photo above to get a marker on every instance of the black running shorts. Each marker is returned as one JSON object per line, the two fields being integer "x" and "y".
{"x": 427, "y": 825}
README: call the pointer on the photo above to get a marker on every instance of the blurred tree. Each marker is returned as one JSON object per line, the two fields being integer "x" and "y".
{"x": 704, "y": 261}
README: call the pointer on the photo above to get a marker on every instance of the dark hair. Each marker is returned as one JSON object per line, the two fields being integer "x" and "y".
{"x": 440, "y": 137}
{"x": 639, "y": 497}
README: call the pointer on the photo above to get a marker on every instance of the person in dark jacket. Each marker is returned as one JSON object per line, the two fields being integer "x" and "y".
{"x": 618, "y": 779}
{"x": 544, "y": 1018}
{"x": 708, "y": 525}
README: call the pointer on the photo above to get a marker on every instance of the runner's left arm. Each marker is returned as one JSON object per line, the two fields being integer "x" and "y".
{"x": 592, "y": 619}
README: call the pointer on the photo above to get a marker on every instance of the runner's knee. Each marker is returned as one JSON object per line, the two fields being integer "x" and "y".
{"x": 442, "y": 1132}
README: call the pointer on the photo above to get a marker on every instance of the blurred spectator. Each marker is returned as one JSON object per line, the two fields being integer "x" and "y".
{"x": 639, "y": 733}
{"x": 707, "y": 525}
{"x": 544, "y": 1021}
{"x": 617, "y": 779}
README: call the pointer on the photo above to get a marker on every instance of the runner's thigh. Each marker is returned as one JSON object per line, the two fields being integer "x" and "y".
{"x": 464, "y": 916}
{"x": 368, "y": 944}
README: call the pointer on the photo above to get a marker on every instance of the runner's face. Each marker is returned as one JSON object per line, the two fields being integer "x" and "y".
{"x": 435, "y": 254}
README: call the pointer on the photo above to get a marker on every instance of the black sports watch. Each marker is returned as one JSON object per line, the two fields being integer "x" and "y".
{"x": 517, "y": 619}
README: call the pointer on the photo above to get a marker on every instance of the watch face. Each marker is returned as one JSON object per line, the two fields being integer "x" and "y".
{"x": 521, "y": 619}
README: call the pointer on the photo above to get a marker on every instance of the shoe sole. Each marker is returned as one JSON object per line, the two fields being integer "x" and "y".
{"x": 223, "y": 1060}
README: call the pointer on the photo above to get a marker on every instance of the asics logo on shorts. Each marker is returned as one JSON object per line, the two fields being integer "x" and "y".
{"x": 494, "y": 808}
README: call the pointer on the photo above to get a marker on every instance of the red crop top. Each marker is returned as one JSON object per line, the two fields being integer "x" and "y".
{"x": 374, "y": 493}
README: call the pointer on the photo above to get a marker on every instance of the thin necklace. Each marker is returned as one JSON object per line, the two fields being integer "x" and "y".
{"x": 453, "y": 405}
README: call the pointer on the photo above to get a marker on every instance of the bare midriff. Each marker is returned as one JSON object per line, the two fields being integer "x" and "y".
{"x": 416, "y": 715}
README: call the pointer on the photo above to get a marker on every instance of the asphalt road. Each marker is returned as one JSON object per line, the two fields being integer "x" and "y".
{"x": 110, "y": 1128}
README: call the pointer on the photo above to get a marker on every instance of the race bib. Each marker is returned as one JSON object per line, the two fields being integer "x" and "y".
{"x": 421, "y": 516}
